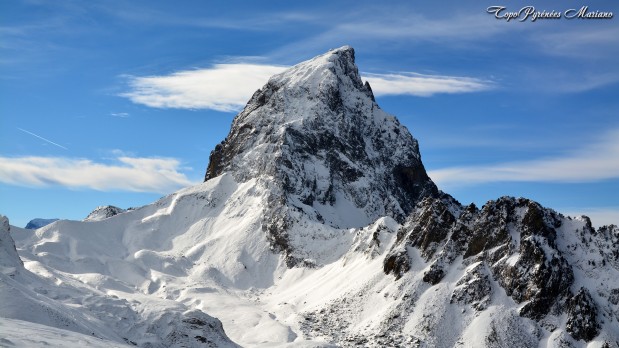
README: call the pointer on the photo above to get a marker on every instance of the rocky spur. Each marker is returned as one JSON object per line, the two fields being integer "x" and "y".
{"x": 531, "y": 13}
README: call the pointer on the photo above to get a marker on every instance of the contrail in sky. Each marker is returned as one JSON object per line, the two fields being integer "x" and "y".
{"x": 40, "y": 137}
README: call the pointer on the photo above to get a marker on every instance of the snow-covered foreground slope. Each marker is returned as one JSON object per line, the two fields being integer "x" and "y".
{"x": 317, "y": 226}
{"x": 227, "y": 272}
{"x": 197, "y": 249}
{"x": 18, "y": 333}
{"x": 84, "y": 301}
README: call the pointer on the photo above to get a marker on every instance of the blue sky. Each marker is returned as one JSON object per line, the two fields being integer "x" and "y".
{"x": 117, "y": 102}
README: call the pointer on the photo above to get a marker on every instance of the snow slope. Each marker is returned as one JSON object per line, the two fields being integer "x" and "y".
{"x": 18, "y": 333}
{"x": 316, "y": 226}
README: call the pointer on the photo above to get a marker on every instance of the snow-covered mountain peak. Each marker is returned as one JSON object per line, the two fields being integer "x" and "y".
{"x": 322, "y": 148}
{"x": 323, "y": 94}
{"x": 335, "y": 69}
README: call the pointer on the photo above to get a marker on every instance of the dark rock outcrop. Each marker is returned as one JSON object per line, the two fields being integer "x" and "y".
{"x": 582, "y": 316}
{"x": 473, "y": 288}
{"x": 516, "y": 240}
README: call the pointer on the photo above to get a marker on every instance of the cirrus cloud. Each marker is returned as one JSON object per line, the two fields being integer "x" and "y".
{"x": 224, "y": 87}
{"x": 593, "y": 162}
{"x": 421, "y": 85}
{"x": 228, "y": 87}
{"x": 160, "y": 175}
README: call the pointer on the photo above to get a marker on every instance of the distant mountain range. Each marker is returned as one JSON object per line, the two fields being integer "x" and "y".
{"x": 38, "y": 223}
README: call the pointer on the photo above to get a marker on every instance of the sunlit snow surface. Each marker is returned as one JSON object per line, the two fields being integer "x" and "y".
{"x": 18, "y": 333}
{"x": 124, "y": 279}
{"x": 201, "y": 248}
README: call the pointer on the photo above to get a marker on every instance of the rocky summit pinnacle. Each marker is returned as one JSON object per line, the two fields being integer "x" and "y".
{"x": 317, "y": 132}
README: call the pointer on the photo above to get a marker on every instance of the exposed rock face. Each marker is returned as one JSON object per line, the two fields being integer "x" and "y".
{"x": 316, "y": 136}
{"x": 524, "y": 246}
{"x": 474, "y": 288}
{"x": 582, "y": 316}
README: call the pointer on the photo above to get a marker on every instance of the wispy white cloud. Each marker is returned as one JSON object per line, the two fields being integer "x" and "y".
{"x": 119, "y": 114}
{"x": 228, "y": 87}
{"x": 414, "y": 26}
{"x": 585, "y": 62}
{"x": 224, "y": 87}
{"x": 424, "y": 85}
{"x": 125, "y": 174}
{"x": 378, "y": 28}
{"x": 601, "y": 42}
{"x": 44, "y": 139}
{"x": 594, "y": 162}
{"x": 583, "y": 80}
{"x": 255, "y": 21}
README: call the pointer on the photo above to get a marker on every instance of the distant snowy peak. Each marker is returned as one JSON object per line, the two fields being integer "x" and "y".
{"x": 104, "y": 212}
{"x": 38, "y": 223}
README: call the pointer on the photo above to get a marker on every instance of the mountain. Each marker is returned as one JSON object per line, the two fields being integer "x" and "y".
{"x": 103, "y": 212}
{"x": 318, "y": 226}
{"x": 316, "y": 139}
{"x": 38, "y": 223}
